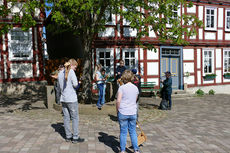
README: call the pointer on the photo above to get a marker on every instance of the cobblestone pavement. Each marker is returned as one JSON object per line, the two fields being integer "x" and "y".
{"x": 194, "y": 125}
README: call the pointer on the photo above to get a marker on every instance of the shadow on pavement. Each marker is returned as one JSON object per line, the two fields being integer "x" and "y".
{"x": 113, "y": 118}
{"x": 59, "y": 127}
{"x": 111, "y": 141}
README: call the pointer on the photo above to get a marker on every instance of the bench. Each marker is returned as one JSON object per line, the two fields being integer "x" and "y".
{"x": 148, "y": 87}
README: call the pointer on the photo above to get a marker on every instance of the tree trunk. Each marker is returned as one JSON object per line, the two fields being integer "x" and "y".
{"x": 86, "y": 95}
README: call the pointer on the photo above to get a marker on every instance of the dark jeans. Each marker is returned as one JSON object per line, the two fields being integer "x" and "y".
{"x": 167, "y": 96}
{"x": 57, "y": 92}
{"x": 115, "y": 88}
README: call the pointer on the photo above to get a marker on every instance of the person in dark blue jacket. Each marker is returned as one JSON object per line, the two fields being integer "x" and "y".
{"x": 167, "y": 89}
{"x": 119, "y": 70}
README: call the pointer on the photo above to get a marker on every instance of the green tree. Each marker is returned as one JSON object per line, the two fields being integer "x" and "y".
{"x": 86, "y": 18}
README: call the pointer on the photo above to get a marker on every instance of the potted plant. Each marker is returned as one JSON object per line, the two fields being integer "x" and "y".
{"x": 186, "y": 74}
{"x": 227, "y": 75}
{"x": 210, "y": 76}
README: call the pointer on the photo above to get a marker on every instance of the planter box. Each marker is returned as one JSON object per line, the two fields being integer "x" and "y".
{"x": 209, "y": 77}
{"x": 226, "y": 76}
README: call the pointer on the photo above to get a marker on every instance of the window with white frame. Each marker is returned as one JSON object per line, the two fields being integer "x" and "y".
{"x": 208, "y": 61}
{"x": 227, "y": 61}
{"x": 227, "y": 25}
{"x": 175, "y": 14}
{"x": 210, "y": 18}
{"x": 20, "y": 44}
{"x": 110, "y": 18}
{"x": 130, "y": 56}
{"x": 105, "y": 58}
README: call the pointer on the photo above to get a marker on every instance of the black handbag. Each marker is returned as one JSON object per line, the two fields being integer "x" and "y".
{"x": 163, "y": 104}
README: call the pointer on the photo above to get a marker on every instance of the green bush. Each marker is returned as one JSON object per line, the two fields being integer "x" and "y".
{"x": 199, "y": 92}
{"x": 211, "y": 92}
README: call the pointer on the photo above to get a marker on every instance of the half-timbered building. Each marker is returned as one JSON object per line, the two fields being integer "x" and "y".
{"x": 207, "y": 53}
{"x": 21, "y": 53}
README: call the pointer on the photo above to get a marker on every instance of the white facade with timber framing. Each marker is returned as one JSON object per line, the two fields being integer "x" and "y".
{"x": 207, "y": 53}
{"x": 21, "y": 52}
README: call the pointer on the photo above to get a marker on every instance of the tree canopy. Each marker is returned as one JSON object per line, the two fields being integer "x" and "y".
{"x": 85, "y": 18}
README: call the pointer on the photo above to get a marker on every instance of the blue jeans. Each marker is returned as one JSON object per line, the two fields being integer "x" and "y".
{"x": 103, "y": 97}
{"x": 100, "y": 101}
{"x": 127, "y": 123}
{"x": 71, "y": 110}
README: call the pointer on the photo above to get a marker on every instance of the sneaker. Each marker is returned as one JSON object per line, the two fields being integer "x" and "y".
{"x": 99, "y": 108}
{"x": 78, "y": 140}
{"x": 68, "y": 139}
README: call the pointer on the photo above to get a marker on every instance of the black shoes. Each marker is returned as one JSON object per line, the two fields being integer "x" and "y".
{"x": 78, "y": 140}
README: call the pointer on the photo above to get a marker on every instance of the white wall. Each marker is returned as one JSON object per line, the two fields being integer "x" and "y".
{"x": 218, "y": 76}
{"x": 220, "y": 34}
{"x": 198, "y": 58}
{"x": 109, "y": 32}
{"x": 210, "y": 36}
{"x": 151, "y": 55}
{"x": 191, "y": 9}
{"x": 151, "y": 32}
{"x": 218, "y": 58}
{"x": 223, "y": 89}
{"x": 189, "y": 80}
{"x": 200, "y": 12}
{"x": 188, "y": 54}
{"x": 24, "y": 70}
{"x": 227, "y": 36}
{"x": 152, "y": 68}
{"x": 200, "y": 33}
{"x": 189, "y": 67}
{"x": 220, "y": 17}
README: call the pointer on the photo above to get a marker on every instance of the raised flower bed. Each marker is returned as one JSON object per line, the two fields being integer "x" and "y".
{"x": 209, "y": 76}
{"x": 227, "y": 75}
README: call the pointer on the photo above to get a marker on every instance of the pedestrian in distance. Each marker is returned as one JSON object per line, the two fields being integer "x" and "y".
{"x": 68, "y": 82}
{"x": 105, "y": 78}
{"x": 57, "y": 89}
{"x": 100, "y": 85}
{"x": 137, "y": 83}
{"x": 166, "y": 91}
{"x": 117, "y": 81}
{"x": 126, "y": 107}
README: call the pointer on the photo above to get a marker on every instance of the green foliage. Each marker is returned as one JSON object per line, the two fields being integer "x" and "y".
{"x": 207, "y": 75}
{"x": 199, "y": 92}
{"x": 211, "y": 92}
{"x": 87, "y": 17}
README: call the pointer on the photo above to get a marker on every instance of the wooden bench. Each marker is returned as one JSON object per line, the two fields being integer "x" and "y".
{"x": 148, "y": 87}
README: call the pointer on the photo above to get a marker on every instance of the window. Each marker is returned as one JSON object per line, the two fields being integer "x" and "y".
{"x": 109, "y": 17}
{"x": 210, "y": 19}
{"x": 227, "y": 25}
{"x": 130, "y": 57}
{"x": 166, "y": 51}
{"x": 208, "y": 62}
{"x": 105, "y": 58}
{"x": 227, "y": 61}
{"x": 174, "y": 16}
{"x": 20, "y": 44}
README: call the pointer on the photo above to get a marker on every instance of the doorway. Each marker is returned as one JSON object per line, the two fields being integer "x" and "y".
{"x": 171, "y": 60}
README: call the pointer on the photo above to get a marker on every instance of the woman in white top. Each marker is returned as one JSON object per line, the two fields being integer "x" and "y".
{"x": 127, "y": 110}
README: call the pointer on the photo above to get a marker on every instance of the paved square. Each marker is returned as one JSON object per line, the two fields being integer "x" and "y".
{"x": 194, "y": 125}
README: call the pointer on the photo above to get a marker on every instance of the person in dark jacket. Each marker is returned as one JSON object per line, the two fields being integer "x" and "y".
{"x": 167, "y": 89}
{"x": 119, "y": 70}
